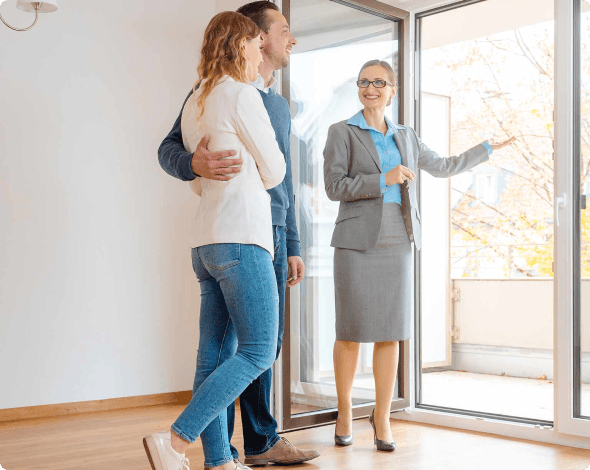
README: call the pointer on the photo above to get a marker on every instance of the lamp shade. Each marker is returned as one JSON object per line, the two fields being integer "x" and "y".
{"x": 47, "y": 6}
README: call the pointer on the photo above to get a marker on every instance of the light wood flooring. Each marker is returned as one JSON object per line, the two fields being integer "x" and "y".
{"x": 112, "y": 440}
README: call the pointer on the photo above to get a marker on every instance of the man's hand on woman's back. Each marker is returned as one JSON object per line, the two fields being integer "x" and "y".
{"x": 214, "y": 165}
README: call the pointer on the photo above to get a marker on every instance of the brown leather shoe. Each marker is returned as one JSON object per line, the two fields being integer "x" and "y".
{"x": 282, "y": 453}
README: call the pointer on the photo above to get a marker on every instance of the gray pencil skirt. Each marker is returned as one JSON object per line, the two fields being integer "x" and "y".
{"x": 373, "y": 287}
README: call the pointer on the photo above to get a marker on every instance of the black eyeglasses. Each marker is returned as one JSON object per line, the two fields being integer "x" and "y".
{"x": 376, "y": 83}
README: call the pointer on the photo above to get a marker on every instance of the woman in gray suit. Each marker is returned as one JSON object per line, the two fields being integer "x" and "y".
{"x": 370, "y": 166}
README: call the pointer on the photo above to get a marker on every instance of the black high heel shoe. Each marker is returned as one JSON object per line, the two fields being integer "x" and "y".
{"x": 386, "y": 446}
{"x": 342, "y": 441}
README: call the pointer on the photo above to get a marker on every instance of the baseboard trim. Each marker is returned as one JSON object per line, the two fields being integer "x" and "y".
{"x": 63, "y": 409}
{"x": 513, "y": 362}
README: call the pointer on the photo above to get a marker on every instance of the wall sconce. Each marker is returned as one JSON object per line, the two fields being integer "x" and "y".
{"x": 37, "y": 7}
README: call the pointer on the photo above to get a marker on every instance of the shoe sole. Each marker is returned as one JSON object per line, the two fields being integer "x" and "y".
{"x": 342, "y": 444}
{"x": 149, "y": 448}
{"x": 265, "y": 462}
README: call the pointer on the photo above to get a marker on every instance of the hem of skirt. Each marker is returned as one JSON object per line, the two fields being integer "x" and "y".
{"x": 371, "y": 340}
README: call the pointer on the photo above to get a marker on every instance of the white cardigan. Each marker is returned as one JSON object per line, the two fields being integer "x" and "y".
{"x": 238, "y": 210}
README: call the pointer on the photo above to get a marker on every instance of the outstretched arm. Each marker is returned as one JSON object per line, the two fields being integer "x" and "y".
{"x": 440, "y": 167}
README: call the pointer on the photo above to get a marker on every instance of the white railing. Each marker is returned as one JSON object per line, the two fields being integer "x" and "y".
{"x": 505, "y": 326}
{"x": 501, "y": 261}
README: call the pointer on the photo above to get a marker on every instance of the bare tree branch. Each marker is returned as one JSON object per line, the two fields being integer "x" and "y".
{"x": 528, "y": 54}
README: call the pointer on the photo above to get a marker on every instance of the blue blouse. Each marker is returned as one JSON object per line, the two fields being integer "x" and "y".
{"x": 389, "y": 155}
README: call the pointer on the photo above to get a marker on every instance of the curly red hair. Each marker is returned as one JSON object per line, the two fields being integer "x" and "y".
{"x": 223, "y": 52}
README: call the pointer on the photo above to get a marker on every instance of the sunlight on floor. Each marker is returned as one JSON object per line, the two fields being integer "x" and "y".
{"x": 503, "y": 395}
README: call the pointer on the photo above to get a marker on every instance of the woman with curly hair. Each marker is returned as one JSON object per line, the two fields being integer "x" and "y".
{"x": 233, "y": 241}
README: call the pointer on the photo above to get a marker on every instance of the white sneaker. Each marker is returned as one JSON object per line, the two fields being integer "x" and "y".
{"x": 161, "y": 454}
{"x": 240, "y": 465}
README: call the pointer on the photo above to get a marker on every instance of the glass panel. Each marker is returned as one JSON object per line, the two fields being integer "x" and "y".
{"x": 334, "y": 41}
{"x": 487, "y": 308}
{"x": 584, "y": 360}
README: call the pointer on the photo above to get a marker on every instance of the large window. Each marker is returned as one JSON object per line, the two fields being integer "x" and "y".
{"x": 494, "y": 224}
{"x": 334, "y": 41}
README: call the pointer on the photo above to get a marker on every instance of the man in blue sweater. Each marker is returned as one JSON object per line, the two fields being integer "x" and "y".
{"x": 262, "y": 444}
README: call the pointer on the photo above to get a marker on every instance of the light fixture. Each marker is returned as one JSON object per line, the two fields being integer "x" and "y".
{"x": 37, "y": 7}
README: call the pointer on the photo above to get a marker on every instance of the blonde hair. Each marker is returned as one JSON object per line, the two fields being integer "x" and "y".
{"x": 223, "y": 52}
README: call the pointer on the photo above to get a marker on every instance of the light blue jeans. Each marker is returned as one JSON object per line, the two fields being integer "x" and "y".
{"x": 239, "y": 298}
{"x": 259, "y": 427}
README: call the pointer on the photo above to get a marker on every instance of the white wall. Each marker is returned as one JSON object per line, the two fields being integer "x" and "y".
{"x": 97, "y": 294}
{"x": 506, "y": 327}
{"x": 514, "y": 313}
{"x": 511, "y": 313}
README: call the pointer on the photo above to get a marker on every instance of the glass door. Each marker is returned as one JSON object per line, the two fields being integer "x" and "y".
{"x": 518, "y": 227}
{"x": 581, "y": 213}
{"x": 485, "y": 273}
{"x": 572, "y": 237}
{"x": 335, "y": 38}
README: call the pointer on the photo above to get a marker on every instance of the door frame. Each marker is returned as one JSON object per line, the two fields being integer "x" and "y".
{"x": 282, "y": 368}
{"x": 568, "y": 236}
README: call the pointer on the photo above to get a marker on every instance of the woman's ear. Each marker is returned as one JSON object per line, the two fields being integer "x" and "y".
{"x": 393, "y": 93}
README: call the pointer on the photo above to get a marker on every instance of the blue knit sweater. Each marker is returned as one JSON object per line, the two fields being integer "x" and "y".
{"x": 176, "y": 161}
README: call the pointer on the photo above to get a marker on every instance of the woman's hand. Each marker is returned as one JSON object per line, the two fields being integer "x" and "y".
{"x": 501, "y": 144}
{"x": 398, "y": 175}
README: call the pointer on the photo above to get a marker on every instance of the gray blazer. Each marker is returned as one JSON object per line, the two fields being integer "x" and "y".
{"x": 352, "y": 172}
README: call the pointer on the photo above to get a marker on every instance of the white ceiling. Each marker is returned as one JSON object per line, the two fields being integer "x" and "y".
{"x": 417, "y": 5}
{"x": 483, "y": 19}
{"x": 422, "y": 5}
{"x": 311, "y": 17}
{"x": 313, "y": 22}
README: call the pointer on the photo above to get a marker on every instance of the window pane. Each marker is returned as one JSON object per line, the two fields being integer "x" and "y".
{"x": 494, "y": 223}
{"x": 323, "y": 73}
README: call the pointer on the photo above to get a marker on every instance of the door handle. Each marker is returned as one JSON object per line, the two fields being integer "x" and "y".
{"x": 560, "y": 201}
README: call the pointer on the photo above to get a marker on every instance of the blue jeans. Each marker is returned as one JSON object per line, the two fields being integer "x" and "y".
{"x": 239, "y": 315}
{"x": 258, "y": 425}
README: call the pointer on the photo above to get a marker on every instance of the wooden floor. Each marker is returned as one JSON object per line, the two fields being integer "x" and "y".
{"x": 112, "y": 440}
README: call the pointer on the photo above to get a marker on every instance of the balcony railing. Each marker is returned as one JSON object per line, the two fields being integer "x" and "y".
{"x": 514, "y": 261}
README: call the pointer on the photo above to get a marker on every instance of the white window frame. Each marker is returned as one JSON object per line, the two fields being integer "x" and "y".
{"x": 564, "y": 232}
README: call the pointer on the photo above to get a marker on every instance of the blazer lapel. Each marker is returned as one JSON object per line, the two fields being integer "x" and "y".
{"x": 365, "y": 137}
{"x": 401, "y": 146}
